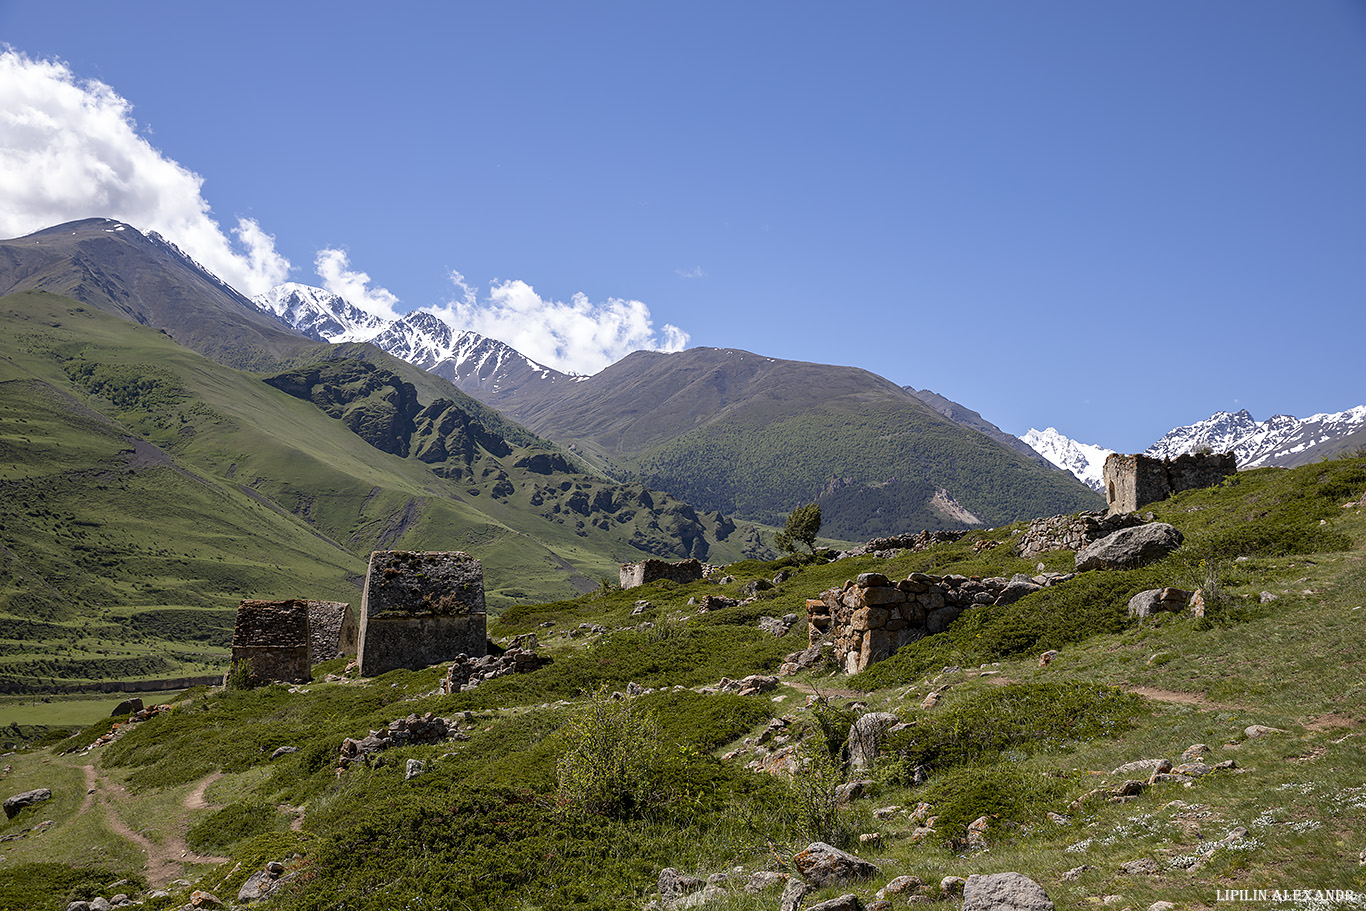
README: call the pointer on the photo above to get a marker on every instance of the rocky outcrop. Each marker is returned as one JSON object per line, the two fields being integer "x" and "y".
{"x": 1004, "y": 892}
{"x": 646, "y": 571}
{"x": 13, "y": 805}
{"x": 1130, "y": 547}
{"x": 823, "y": 865}
{"x": 415, "y": 729}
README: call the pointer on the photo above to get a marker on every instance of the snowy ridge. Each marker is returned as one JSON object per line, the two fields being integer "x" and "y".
{"x": 1281, "y": 439}
{"x": 1082, "y": 459}
{"x": 468, "y": 359}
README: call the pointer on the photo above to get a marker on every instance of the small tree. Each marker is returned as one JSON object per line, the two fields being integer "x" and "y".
{"x": 803, "y": 524}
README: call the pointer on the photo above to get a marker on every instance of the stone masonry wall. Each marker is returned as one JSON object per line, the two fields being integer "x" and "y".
{"x": 1134, "y": 480}
{"x": 333, "y": 630}
{"x": 273, "y": 637}
{"x": 872, "y": 616}
{"x": 1074, "y": 532}
{"x": 420, "y": 609}
{"x": 647, "y": 571}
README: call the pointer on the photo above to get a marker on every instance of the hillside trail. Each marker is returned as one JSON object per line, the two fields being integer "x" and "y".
{"x": 166, "y": 861}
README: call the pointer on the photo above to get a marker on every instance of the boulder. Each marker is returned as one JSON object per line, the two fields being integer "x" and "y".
{"x": 127, "y": 707}
{"x": 1130, "y": 547}
{"x": 793, "y": 893}
{"x": 824, "y": 865}
{"x": 846, "y": 902}
{"x": 13, "y": 805}
{"x": 1004, "y": 892}
{"x": 865, "y": 739}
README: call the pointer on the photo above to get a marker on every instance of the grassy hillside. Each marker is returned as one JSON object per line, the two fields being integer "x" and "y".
{"x": 512, "y": 816}
{"x": 145, "y": 490}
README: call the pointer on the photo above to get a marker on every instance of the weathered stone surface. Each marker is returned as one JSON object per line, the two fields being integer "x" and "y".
{"x": 763, "y": 880}
{"x": 421, "y": 609}
{"x": 1155, "y": 600}
{"x": 634, "y": 575}
{"x": 865, "y": 739}
{"x": 271, "y": 638}
{"x": 1004, "y": 892}
{"x": 415, "y": 729}
{"x": 778, "y": 627}
{"x": 1260, "y": 730}
{"x": 847, "y": 902}
{"x": 793, "y": 893}
{"x": 824, "y": 865}
{"x": 466, "y": 673}
{"x": 332, "y": 630}
{"x": 1143, "y": 866}
{"x": 1072, "y": 532}
{"x": 901, "y": 885}
{"x": 13, "y": 805}
{"x": 1130, "y": 547}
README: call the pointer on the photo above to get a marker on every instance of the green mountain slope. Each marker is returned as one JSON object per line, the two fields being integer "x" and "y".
{"x": 145, "y": 489}
{"x": 757, "y": 436}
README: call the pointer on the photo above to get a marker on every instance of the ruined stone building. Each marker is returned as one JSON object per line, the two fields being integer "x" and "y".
{"x": 647, "y": 571}
{"x": 272, "y": 639}
{"x": 1134, "y": 480}
{"x": 333, "y": 630}
{"x": 420, "y": 609}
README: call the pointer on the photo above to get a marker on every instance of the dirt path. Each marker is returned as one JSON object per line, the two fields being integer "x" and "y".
{"x": 1150, "y": 692}
{"x": 167, "y": 861}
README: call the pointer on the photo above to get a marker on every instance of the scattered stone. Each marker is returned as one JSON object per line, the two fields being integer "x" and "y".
{"x": 902, "y": 885}
{"x": 822, "y": 865}
{"x": 1162, "y": 906}
{"x": 871, "y": 839}
{"x": 763, "y": 880}
{"x": 1004, "y": 892}
{"x": 413, "y": 769}
{"x": 1130, "y": 547}
{"x": 201, "y": 899}
{"x": 1139, "y": 765}
{"x": 952, "y": 885}
{"x": 977, "y": 832}
{"x": 846, "y": 902}
{"x": 1075, "y": 873}
{"x": 1144, "y": 866}
{"x": 466, "y": 673}
{"x": 776, "y": 627}
{"x": 415, "y": 729}
{"x": 793, "y": 893}
{"x": 1128, "y": 789}
{"x": 1073, "y": 532}
{"x": 851, "y": 791}
{"x": 1267, "y": 598}
{"x": 885, "y": 813}
{"x": 282, "y": 751}
{"x": 1260, "y": 730}
{"x": 1194, "y": 752}
{"x": 676, "y": 887}
{"x": 641, "y": 607}
{"x": 13, "y": 805}
{"x": 1047, "y": 657}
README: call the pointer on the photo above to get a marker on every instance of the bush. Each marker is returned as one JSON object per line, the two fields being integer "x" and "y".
{"x": 960, "y": 796}
{"x": 218, "y": 832}
{"x": 613, "y": 761}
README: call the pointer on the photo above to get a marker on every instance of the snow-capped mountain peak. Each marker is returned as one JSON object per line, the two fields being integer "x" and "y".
{"x": 1082, "y": 459}
{"x": 1281, "y": 439}
{"x": 319, "y": 314}
{"x": 475, "y": 363}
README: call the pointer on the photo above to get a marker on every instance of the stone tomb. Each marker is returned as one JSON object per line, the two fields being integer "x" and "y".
{"x": 332, "y": 630}
{"x": 1132, "y": 481}
{"x": 634, "y": 575}
{"x": 272, "y": 637}
{"x": 420, "y": 609}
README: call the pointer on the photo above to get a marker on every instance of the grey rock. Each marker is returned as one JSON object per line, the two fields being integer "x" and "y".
{"x": 257, "y": 887}
{"x": 793, "y": 893}
{"x": 674, "y": 884}
{"x": 851, "y": 791}
{"x": 901, "y": 885}
{"x": 825, "y": 865}
{"x": 952, "y": 885}
{"x": 846, "y": 902}
{"x": 1144, "y": 866}
{"x": 100, "y": 904}
{"x": 127, "y": 707}
{"x": 1004, "y": 892}
{"x": 865, "y": 739}
{"x": 283, "y": 751}
{"x": 78, "y": 905}
{"x": 13, "y": 805}
{"x": 1130, "y": 547}
{"x": 1017, "y": 590}
{"x": 413, "y": 768}
{"x": 763, "y": 880}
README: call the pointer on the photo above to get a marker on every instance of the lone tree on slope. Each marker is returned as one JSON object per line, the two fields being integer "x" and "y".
{"x": 803, "y": 524}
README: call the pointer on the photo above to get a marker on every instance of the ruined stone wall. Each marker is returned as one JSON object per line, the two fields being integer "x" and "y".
{"x": 333, "y": 630}
{"x": 872, "y": 616}
{"x": 274, "y": 637}
{"x": 1074, "y": 532}
{"x": 647, "y": 571}
{"x": 420, "y": 609}
{"x": 1134, "y": 480}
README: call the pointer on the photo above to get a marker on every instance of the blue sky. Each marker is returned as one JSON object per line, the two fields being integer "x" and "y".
{"x": 1110, "y": 218}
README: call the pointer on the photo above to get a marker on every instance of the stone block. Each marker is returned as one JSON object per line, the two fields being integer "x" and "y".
{"x": 420, "y": 609}
{"x": 272, "y": 638}
{"x": 332, "y": 630}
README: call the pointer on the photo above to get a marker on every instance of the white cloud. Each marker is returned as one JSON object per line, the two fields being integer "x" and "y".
{"x": 70, "y": 149}
{"x": 576, "y": 337}
{"x": 694, "y": 272}
{"x": 334, "y": 268}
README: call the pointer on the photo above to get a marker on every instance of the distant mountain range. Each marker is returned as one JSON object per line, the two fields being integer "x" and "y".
{"x": 734, "y": 431}
{"x": 1282, "y": 441}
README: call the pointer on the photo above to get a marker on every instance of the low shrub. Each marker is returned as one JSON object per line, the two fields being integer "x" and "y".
{"x": 220, "y": 830}
{"x": 1000, "y": 790}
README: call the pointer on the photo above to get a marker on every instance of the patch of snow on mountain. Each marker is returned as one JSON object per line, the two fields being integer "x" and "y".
{"x": 319, "y": 314}
{"x": 1082, "y": 459}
